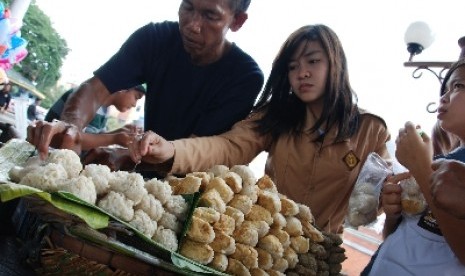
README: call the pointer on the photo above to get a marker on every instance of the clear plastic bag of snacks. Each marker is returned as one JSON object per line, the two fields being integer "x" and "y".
{"x": 364, "y": 200}
{"x": 412, "y": 199}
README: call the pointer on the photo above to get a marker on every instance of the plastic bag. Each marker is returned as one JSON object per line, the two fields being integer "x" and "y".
{"x": 412, "y": 199}
{"x": 364, "y": 200}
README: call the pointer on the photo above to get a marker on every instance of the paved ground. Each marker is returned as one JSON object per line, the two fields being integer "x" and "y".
{"x": 7, "y": 117}
{"x": 364, "y": 243}
{"x": 355, "y": 262}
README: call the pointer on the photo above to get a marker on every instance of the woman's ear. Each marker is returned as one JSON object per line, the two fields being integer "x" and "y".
{"x": 239, "y": 20}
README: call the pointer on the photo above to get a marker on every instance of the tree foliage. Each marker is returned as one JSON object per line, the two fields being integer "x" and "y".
{"x": 46, "y": 48}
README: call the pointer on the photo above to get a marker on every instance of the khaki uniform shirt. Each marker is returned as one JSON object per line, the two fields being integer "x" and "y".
{"x": 319, "y": 175}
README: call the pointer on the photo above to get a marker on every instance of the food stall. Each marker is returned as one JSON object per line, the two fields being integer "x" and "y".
{"x": 225, "y": 221}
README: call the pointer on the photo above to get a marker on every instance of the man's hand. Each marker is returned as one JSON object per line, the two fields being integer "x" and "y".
{"x": 129, "y": 128}
{"x": 125, "y": 135}
{"x": 56, "y": 134}
{"x": 448, "y": 186}
{"x": 123, "y": 138}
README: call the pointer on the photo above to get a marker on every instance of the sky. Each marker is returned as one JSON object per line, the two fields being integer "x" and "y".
{"x": 371, "y": 32}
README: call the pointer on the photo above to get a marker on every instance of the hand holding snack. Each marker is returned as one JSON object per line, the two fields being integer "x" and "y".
{"x": 414, "y": 149}
{"x": 391, "y": 199}
{"x": 391, "y": 195}
{"x": 151, "y": 148}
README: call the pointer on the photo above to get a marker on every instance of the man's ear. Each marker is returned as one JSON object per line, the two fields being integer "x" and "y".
{"x": 239, "y": 20}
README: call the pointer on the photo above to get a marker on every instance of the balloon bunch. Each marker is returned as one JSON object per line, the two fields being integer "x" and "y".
{"x": 12, "y": 45}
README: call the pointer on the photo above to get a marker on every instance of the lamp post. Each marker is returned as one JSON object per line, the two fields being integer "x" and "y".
{"x": 462, "y": 47}
{"x": 419, "y": 37}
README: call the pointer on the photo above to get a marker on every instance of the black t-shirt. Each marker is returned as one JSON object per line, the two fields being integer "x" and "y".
{"x": 183, "y": 99}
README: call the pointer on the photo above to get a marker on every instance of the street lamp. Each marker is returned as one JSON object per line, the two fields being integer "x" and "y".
{"x": 419, "y": 37}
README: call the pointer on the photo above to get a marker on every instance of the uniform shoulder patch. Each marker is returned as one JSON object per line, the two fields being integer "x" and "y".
{"x": 351, "y": 160}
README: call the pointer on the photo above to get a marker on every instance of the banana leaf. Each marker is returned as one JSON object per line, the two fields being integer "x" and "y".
{"x": 188, "y": 264}
{"x": 61, "y": 200}
{"x": 14, "y": 152}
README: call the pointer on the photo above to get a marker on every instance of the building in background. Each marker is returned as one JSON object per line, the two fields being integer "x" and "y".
{"x": 23, "y": 93}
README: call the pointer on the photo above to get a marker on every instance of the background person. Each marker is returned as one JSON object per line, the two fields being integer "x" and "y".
{"x": 431, "y": 243}
{"x": 198, "y": 82}
{"x": 8, "y": 131}
{"x": 5, "y": 97}
{"x": 98, "y": 124}
{"x": 32, "y": 110}
{"x": 443, "y": 141}
{"x": 94, "y": 134}
{"x": 307, "y": 120}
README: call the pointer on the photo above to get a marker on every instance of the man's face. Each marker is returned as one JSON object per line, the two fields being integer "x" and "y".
{"x": 126, "y": 99}
{"x": 6, "y": 88}
{"x": 203, "y": 25}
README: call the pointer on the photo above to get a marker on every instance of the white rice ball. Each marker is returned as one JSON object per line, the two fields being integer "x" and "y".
{"x": 166, "y": 237}
{"x": 100, "y": 175}
{"x": 151, "y": 206}
{"x": 129, "y": 184}
{"x": 142, "y": 222}
{"x": 45, "y": 178}
{"x": 177, "y": 206}
{"x": 170, "y": 221}
{"x": 161, "y": 190}
{"x": 68, "y": 159}
{"x": 80, "y": 186}
{"x": 118, "y": 205}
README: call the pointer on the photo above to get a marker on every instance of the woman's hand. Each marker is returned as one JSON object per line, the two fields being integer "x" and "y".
{"x": 391, "y": 195}
{"x": 391, "y": 202}
{"x": 151, "y": 148}
{"x": 413, "y": 148}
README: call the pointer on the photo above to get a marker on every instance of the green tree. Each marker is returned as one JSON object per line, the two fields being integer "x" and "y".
{"x": 53, "y": 93}
{"x": 46, "y": 48}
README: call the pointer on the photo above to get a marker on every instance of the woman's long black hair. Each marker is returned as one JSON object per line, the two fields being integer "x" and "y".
{"x": 285, "y": 113}
{"x": 454, "y": 66}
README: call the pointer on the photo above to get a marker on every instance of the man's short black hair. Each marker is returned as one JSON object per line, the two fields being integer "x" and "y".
{"x": 240, "y": 5}
{"x": 140, "y": 88}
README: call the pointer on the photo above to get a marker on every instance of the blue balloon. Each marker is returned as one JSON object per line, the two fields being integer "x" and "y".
{"x": 2, "y": 10}
{"x": 6, "y": 54}
{"x": 4, "y": 30}
{"x": 17, "y": 41}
